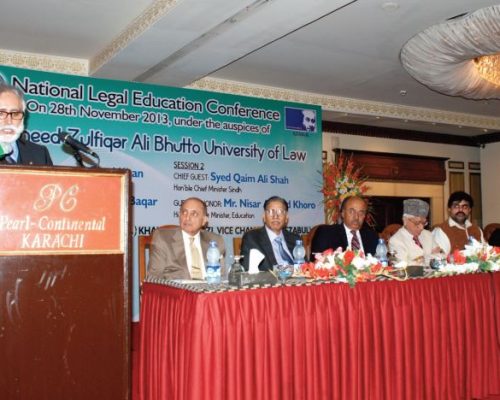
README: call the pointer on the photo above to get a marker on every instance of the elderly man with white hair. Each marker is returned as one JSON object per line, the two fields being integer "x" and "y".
{"x": 15, "y": 148}
{"x": 412, "y": 243}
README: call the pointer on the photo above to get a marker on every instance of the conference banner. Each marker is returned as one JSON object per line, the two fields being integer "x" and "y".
{"x": 231, "y": 151}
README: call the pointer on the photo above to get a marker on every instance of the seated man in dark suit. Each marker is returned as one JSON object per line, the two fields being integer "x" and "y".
{"x": 350, "y": 233}
{"x": 15, "y": 148}
{"x": 272, "y": 240}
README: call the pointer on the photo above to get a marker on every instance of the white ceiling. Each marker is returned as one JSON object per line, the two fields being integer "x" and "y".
{"x": 339, "y": 53}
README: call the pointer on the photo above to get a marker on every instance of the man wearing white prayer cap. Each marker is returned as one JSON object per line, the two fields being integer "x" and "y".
{"x": 412, "y": 243}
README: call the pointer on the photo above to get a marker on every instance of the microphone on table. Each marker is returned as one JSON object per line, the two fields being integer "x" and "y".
{"x": 75, "y": 144}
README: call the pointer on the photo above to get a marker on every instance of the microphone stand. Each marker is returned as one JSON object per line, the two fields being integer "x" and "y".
{"x": 79, "y": 159}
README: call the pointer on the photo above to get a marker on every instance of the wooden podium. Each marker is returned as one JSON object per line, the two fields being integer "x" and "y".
{"x": 64, "y": 283}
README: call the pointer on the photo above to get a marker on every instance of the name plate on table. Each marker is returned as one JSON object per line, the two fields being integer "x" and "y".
{"x": 415, "y": 270}
{"x": 261, "y": 278}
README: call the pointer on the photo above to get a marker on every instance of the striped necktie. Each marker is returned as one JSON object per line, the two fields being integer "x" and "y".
{"x": 355, "y": 245}
{"x": 417, "y": 241}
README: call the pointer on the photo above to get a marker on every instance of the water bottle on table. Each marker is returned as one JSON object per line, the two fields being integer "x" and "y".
{"x": 381, "y": 252}
{"x": 213, "y": 263}
{"x": 299, "y": 254}
{"x": 234, "y": 276}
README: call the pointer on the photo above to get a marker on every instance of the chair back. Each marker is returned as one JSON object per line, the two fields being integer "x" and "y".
{"x": 388, "y": 231}
{"x": 307, "y": 239}
{"x": 489, "y": 229}
{"x": 237, "y": 245}
{"x": 143, "y": 250}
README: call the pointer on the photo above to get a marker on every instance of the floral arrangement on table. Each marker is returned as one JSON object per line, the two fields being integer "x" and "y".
{"x": 476, "y": 256}
{"x": 349, "y": 266}
{"x": 341, "y": 179}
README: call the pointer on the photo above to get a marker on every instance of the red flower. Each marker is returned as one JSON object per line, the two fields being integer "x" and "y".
{"x": 328, "y": 252}
{"x": 376, "y": 268}
{"x": 348, "y": 257}
{"x": 322, "y": 273}
{"x": 340, "y": 180}
{"x": 307, "y": 269}
{"x": 458, "y": 258}
{"x": 365, "y": 276}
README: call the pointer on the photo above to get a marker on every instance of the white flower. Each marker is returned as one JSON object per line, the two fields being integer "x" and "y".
{"x": 360, "y": 263}
{"x": 494, "y": 266}
{"x": 371, "y": 259}
{"x": 461, "y": 269}
{"x": 475, "y": 247}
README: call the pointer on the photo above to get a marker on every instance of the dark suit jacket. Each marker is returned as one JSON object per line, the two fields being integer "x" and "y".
{"x": 32, "y": 153}
{"x": 258, "y": 239}
{"x": 334, "y": 236}
{"x": 167, "y": 258}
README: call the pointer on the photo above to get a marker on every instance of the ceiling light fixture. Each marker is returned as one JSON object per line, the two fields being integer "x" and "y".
{"x": 459, "y": 57}
{"x": 488, "y": 67}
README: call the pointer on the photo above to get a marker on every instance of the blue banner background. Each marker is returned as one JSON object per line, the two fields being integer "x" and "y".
{"x": 232, "y": 151}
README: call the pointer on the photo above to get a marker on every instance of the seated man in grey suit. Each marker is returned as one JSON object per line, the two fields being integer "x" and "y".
{"x": 14, "y": 146}
{"x": 179, "y": 253}
{"x": 272, "y": 240}
{"x": 350, "y": 233}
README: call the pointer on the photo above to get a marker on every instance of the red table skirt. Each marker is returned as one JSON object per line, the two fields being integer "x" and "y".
{"x": 421, "y": 339}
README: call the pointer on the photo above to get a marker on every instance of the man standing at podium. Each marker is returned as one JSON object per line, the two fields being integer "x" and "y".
{"x": 14, "y": 147}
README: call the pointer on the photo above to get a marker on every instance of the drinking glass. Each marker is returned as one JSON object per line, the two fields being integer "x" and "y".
{"x": 284, "y": 271}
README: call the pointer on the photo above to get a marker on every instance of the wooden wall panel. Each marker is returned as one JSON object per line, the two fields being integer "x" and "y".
{"x": 399, "y": 167}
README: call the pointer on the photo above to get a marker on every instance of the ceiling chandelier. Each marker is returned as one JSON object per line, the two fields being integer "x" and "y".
{"x": 460, "y": 57}
{"x": 489, "y": 68}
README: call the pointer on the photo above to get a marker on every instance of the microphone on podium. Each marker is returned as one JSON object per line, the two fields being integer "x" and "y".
{"x": 75, "y": 144}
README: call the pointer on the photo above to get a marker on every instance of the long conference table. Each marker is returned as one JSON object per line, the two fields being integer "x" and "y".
{"x": 434, "y": 338}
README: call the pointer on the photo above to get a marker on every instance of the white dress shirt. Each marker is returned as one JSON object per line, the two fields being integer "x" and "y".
{"x": 276, "y": 250}
{"x": 407, "y": 250}
{"x": 349, "y": 238}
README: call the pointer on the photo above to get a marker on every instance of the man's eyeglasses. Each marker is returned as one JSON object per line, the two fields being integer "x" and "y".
{"x": 15, "y": 115}
{"x": 275, "y": 212}
{"x": 353, "y": 212}
{"x": 463, "y": 206}
{"x": 416, "y": 222}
